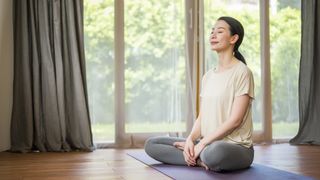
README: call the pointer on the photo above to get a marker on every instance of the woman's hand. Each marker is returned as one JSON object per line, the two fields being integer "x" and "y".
{"x": 180, "y": 145}
{"x": 197, "y": 150}
{"x": 188, "y": 153}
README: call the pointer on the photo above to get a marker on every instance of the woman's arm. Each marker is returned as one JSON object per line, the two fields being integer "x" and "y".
{"x": 238, "y": 111}
{"x": 196, "y": 129}
{"x": 239, "y": 108}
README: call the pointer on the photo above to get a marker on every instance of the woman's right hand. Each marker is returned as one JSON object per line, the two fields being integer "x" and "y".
{"x": 188, "y": 152}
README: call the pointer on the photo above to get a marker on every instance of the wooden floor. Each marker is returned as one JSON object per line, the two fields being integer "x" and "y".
{"x": 115, "y": 164}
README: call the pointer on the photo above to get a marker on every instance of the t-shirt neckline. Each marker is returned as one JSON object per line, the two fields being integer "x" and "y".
{"x": 227, "y": 70}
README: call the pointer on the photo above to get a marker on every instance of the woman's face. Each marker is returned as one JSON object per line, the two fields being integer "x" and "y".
{"x": 220, "y": 38}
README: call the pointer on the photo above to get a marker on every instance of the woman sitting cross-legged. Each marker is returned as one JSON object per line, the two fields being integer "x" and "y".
{"x": 221, "y": 137}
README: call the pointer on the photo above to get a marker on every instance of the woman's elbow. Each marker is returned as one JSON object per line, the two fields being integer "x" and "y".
{"x": 236, "y": 123}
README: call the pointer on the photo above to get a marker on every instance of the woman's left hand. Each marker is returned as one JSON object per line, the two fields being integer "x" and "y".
{"x": 197, "y": 150}
{"x": 179, "y": 145}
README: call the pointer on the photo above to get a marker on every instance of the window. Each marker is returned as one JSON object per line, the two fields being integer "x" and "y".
{"x": 155, "y": 66}
{"x": 99, "y": 49}
{"x": 285, "y": 37}
{"x": 143, "y": 57}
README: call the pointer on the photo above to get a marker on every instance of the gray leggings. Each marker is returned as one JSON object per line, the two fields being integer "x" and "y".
{"x": 218, "y": 156}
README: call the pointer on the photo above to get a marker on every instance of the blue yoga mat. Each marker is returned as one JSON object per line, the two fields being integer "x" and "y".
{"x": 255, "y": 172}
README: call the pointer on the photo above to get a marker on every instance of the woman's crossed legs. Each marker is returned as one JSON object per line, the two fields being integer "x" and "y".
{"x": 217, "y": 156}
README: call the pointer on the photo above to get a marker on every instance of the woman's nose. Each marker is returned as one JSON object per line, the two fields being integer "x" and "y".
{"x": 212, "y": 35}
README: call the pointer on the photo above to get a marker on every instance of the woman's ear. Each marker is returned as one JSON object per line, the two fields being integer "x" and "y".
{"x": 234, "y": 39}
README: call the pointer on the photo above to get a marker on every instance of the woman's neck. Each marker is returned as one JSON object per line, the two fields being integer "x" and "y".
{"x": 226, "y": 60}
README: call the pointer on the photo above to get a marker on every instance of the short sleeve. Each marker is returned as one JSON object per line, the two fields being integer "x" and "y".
{"x": 245, "y": 84}
{"x": 203, "y": 82}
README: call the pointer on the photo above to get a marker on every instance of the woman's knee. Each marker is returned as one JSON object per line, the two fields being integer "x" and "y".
{"x": 152, "y": 144}
{"x": 148, "y": 145}
{"x": 223, "y": 156}
{"x": 213, "y": 156}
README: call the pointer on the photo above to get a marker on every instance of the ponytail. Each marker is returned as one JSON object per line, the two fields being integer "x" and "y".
{"x": 239, "y": 56}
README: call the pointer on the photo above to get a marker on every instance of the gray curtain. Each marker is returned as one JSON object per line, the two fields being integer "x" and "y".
{"x": 50, "y": 106}
{"x": 309, "y": 77}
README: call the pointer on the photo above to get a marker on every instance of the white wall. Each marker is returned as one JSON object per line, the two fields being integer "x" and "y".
{"x": 6, "y": 72}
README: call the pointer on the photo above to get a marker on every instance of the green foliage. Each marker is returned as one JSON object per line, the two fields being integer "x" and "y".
{"x": 289, "y": 3}
{"x": 285, "y": 35}
{"x": 99, "y": 43}
{"x": 154, "y": 59}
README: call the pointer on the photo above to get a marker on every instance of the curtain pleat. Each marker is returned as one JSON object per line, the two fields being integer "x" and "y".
{"x": 50, "y": 104}
{"x": 309, "y": 76}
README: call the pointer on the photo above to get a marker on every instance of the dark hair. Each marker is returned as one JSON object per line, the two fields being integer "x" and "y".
{"x": 235, "y": 28}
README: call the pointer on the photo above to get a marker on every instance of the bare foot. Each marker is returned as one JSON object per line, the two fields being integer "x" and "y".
{"x": 179, "y": 145}
{"x": 200, "y": 163}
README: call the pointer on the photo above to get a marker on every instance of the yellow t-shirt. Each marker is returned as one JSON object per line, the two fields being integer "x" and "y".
{"x": 217, "y": 96}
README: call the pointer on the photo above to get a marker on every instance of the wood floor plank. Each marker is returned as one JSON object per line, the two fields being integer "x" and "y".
{"x": 116, "y": 164}
{"x": 301, "y": 159}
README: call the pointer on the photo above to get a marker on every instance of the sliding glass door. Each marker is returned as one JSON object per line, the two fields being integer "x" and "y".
{"x": 145, "y": 60}
{"x": 285, "y": 38}
{"x": 155, "y": 66}
{"x": 99, "y": 49}
{"x": 136, "y": 68}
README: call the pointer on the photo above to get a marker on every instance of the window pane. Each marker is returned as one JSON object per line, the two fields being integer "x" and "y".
{"x": 285, "y": 37}
{"x": 155, "y": 75}
{"x": 99, "y": 47}
{"x": 247, "y": 12}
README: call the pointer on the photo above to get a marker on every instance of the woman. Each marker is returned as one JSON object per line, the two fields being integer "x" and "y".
{"x": 221, "y": 138}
